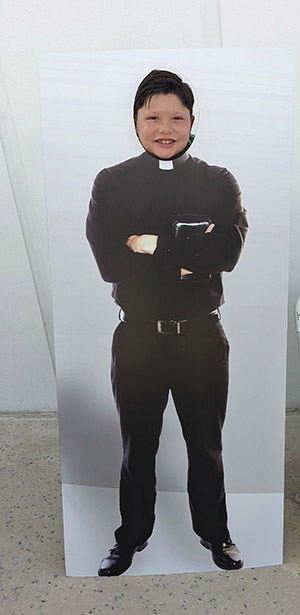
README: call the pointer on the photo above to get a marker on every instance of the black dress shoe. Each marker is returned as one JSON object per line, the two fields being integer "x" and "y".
{"x": 226, "y": 555}
{"x": 118, "y": 561}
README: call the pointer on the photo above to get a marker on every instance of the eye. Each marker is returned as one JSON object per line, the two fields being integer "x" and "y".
{"x": 152, "y": 117}
{"x": 177, "y": 117}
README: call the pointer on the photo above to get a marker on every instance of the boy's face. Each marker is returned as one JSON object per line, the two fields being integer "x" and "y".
{"x": 163, "y": 126}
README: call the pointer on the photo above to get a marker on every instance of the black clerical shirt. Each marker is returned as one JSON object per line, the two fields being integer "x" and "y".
{"x": 144, "y": 195}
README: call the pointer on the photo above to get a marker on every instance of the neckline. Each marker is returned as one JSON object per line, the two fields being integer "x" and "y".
{"x": 165, "y": 165}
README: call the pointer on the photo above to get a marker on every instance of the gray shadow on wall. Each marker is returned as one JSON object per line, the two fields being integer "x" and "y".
{"x": 85, "y": 427}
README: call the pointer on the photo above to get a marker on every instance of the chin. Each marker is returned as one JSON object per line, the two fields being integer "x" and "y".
{"x": 166, "y": 155}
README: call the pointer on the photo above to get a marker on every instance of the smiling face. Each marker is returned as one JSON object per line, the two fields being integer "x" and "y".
{"x": 163, "y": 125}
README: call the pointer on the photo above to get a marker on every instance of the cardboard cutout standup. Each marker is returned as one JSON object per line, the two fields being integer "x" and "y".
{"x": 163, "y": 227}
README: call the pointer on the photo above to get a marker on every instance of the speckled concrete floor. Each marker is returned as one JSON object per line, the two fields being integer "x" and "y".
{"x": 32, "y": 568}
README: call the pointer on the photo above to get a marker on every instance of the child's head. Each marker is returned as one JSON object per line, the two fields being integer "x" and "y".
{"x": 163, "y": 113}
{"x": 162, "y": 82}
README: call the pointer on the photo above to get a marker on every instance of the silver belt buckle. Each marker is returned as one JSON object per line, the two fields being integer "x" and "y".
{"x": 177, "y": 324}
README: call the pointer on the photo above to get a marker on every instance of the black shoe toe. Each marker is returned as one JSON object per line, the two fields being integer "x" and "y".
{"x": 225, "y": 555}
{"x": 118, "y": 561}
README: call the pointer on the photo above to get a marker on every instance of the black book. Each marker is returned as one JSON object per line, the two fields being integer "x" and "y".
{"x": 185, "y": 226}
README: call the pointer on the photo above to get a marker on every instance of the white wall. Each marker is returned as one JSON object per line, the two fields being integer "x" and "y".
{"x": 28, "y": 29}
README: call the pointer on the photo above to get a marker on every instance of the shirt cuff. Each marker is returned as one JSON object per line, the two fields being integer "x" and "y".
{"x": 164, "y": 249}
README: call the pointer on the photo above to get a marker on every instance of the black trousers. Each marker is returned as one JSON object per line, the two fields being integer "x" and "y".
{"x": 146, "y": 365}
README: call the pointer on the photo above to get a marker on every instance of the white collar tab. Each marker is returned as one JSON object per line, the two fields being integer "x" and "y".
{"x": 166, "y": 165}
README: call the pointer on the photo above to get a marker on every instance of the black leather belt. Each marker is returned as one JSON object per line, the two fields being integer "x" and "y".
{"x": 171, "y": 327}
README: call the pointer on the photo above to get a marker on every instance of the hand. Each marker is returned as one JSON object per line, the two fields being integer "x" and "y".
{"x": 143, "y": 244}
{"x": 184, "y": 272}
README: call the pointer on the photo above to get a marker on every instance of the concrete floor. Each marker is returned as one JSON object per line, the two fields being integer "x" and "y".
{"x": 33, "y": 580}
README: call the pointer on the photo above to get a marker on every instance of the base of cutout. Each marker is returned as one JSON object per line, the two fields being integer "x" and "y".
{"x": 91, "y": 515}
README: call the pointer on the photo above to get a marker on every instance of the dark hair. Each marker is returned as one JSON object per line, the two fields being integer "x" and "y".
{"x": 162, "y": 82}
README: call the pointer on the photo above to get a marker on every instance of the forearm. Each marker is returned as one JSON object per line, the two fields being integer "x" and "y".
{"x": 209, "y": 253}
{"x": 116, "y": 262}
{"x": 200, "y": 253}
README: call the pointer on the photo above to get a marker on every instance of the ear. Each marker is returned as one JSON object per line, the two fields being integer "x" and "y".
{"x": 192, "y": 120}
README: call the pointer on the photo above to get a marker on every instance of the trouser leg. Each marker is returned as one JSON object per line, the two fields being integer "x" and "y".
{"x": 141, "y": 393}
{"x": 199, "y": 389}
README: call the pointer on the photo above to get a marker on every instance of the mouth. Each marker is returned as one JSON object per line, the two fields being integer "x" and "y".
{"x": 165, "y": 141}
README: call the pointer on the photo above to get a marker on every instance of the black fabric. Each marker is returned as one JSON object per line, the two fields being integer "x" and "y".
{"x": 145, "y": 367}
{"x": 137, "y": 197}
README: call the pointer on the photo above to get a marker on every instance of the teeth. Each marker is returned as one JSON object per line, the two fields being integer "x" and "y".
{"x": 165, "y": 141}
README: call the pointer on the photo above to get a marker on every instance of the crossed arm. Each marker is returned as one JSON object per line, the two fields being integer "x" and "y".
{"x": 147, "y": 244}
{"x": 120, "y": 256}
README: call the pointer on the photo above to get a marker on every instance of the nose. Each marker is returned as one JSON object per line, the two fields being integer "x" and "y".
{"x": 165, "y": 127}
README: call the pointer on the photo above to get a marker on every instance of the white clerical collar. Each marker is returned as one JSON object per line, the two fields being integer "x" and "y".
{"x": 166, "y": 165}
